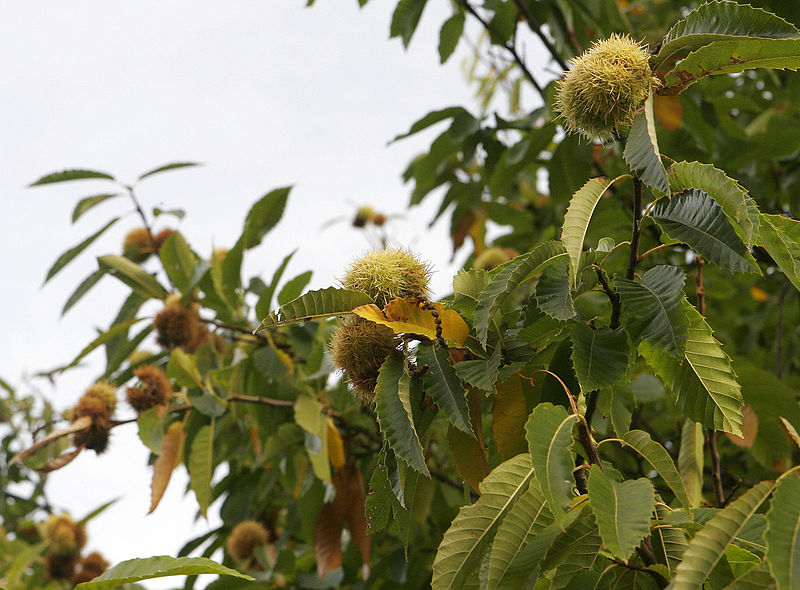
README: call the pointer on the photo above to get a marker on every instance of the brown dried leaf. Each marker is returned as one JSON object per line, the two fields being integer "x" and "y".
{"x": 328, "y": 537}
{"x": 468, "y": 452}
{"x": 60, "y": 461}
{"x": 669, "y": 111}
{"x": 509, "y": 414}
{"x": 81, "y": 424}
{"x": 171, "y": 447}
{"x": 749, "y": 429}
{"x": 350, "y": 485}
{"x": 790, "y": 430}
{"x": 335, "y": 446}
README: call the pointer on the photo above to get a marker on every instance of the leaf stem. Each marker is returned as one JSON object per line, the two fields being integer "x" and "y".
{"x": 636, "y": 230}
{"x": 534, "y": 26}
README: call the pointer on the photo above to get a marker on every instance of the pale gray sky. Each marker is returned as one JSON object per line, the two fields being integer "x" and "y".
{"x": 266, "y": 94}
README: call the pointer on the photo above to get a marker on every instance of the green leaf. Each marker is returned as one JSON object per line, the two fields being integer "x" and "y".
{"x": 136, "y": 570}
{"x": 323, "y": 303}
{"x": 690, "y": 461}
{"x": 405, "y": 19}
{"x": 292, "y": 289}
{"x": 431, "y": 119}
{"x": 443, "y": 385}
{"x": 622, "y": 510}
{"x": 167, "y": 167}
{"x": 705, "y": 384}
{"x": 574, "y": 551}
{"x": 380, "y": 499}
{"x": 508, "y": 277}
{"x": 553, "y": 294}
{"x": 732, "y": 57}
{"x": 179, "y": 261}
{"x": 88, "y": 203}
{"x": 758, "y": 578}
{"x": 659, "y": 459}
{"x": 783, "y": 533}
{"x": 732, "y": 197}
{"x": 68, "y": 175}
{"x": 393, "y": 406}
{"x": 549, "y": 434}
{"x": 641, "y": 150}
{"x": 780, "y": 236}
{"x": 668, "y": 542}
{"x": 720, "y": 21}
{"x": 481, "y": 373}
{"x": 310, "y": 415}
{"x": 152, "y": 424}
{"x": 133, "y": 275}
{"x": 67, "y": 256}
{"x": 576, "y": 219}
{"x": 696, "y": 219}
{"x": 708, "y": 546}
{"x": 466, "y": 541}
{"x": 623, "y": 402}
{"x": 102, "y": 338}
{"x": 652, "y": 310}
{"x": 83, "y": 289}
{"x": 527, "y": 519}
{"x": 449, "y": 35}
{"x": 600, "y": 357}
{"x": 265, "y": 298}
{"x": 263, "y": 216}
{"x": 201, "y": 466}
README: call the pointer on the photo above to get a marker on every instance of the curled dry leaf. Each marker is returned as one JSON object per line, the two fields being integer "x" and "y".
{"x": 749, "y": 429}
{"x": 406, "y": 316}
{"x": 171, "y": 450}
{"x": 60, "y": 461}
{"x": 790, "y": 430}
{"x": 81, "y": 424}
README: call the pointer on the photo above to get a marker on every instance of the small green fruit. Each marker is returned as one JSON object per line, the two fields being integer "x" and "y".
{"x": 387, "y": 274}
{"x": 605, "y": 87}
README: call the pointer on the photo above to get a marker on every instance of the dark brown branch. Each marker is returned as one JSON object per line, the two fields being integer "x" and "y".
{"x": 701, "y": 290}
{"x": 508, "y": 47}
{"x": 140, "y": 211}
{"x": 613, "y": 297}
{"x": 534, "y": 26}
{"x": 716, "y": 468}
{"x": 636, "y": 230}
{"x": 446, "y": 479}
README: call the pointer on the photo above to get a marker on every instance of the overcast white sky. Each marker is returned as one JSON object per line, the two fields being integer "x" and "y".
{"x": 266, "y": 94}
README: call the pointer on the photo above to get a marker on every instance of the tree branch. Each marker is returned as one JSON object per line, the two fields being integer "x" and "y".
{"x": 534, "y": 26}
{"x": 636, "y": 231}
{"x": 716, "y": 469}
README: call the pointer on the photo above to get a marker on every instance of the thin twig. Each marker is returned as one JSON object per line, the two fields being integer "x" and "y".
{"x": 139, "y": 210}
{"x": 636, "y": 230}
{"x": 716, "y": 469}
{"x": 446, "y": 479}
{"x": 701, "y": 290}
{"x": 657, "y": 248}
{"x": 613, "y": 297}
{"x": 534, "y": 26}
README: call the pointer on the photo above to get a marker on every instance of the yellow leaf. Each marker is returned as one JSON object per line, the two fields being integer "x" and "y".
{"x": 669, "y": 111}
{"x": 758, "y": 294}
{"x": 406, "y": 316}
{"x": 509, "y": 414}
{"x": 335, "y": 446}
{"x": 468, "y": 452}
{"x": 790, "y": 430}
{"x": 171, "y": 450}
{"x": 749, "y": 429}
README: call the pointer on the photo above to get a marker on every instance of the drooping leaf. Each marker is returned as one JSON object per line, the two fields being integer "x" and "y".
{"x": 509, "y": 415}
{"x": 600, "y": 357}
{"x": 313, "y": 305}
{"x": 102, "y": 338}
{"x": 179, "y": 261}
{"x": 470, "y": 535}
{"x": 669, "y": 543}
{"x": 697, "y": 220}
{"x": 480, "y": 373}
{"x": 553, "y": 295}
{"x": 527, "y": 518}
{"x": 132, "y": 275}
{"x": 294, "y": 288}
{"x": 758, "y": 578}
{"x": 780, "y": 236}
{"x": 263, "y": 216}
{"x": 407, "y": 316}
{"x": 167, "y": 167}
{"x": 83, "y": 289}
{"x": 152, "y": 424}
{"x": 576, "y": 219}
{"x": 732, "y": 197}
{"x": 705, "y": 383}
{"x": 81, "y": 424}
{"x": 507, "y": 278}
{"x": 393, "y": 406}
{"x": 328, "y": 537}
{"x": 449, "y": 35}
{"x": 732, "y": 57}
{"x": 201, "y": 466}
{"x": 70, "y": 254}
{"x": 381, "y": 498}
{"x": 641, "y": 150}
{"x": 469, "y": 455}
{"x": 652, "y": 310}
{"x": 309, "y": 414}
{"x": 431, "y": 119}
{"x": 690, "y": 461}
{"x": 68, "y": 175}
{"x": 708, "y": 546}
{"x": 622, "y": 510}
{"x": 265, "y": 297}
{"x": 443, "y": 385}
{"x": 168, "y": 458}
{"x": 405, "y": 19}
{"x": 623, "y": 403}
{"x": 659, "y": 459}
{"x": 136, "y": 570}
{"x": 88, "y": 203}
{"x": 549, "y": 435}
{"x": 720, "y": 20}
{"x": 575, "y": 551}
{"x": 783, "y": 533}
